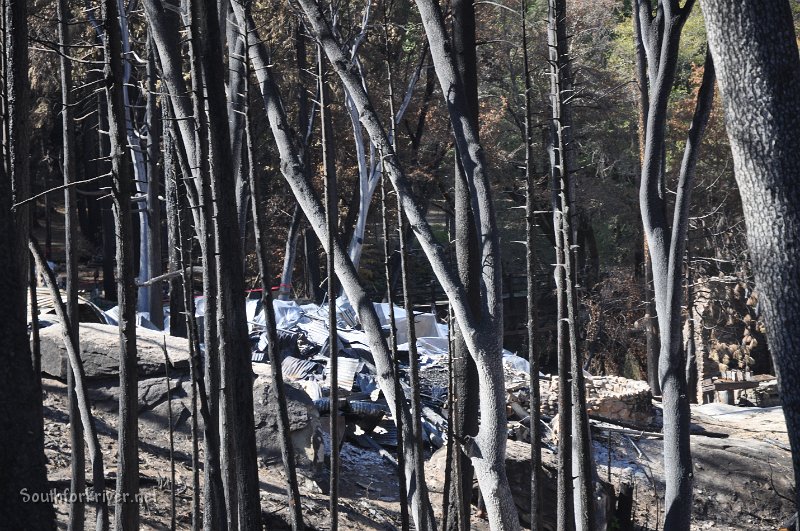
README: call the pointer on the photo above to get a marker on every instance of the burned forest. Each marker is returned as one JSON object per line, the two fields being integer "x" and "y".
{"x": 441, "y": 265}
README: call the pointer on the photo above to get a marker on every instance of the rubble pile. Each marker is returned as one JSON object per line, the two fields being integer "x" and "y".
{"x": 607, "y": 397}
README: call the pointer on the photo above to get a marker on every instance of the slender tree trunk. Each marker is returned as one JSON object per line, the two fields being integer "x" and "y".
{"x": 559, "y": 166}
{"x": 304, "y": 126}
{"x": 234, "y": 345}
{"x": 465, "y": 377}
{"x": 530, "y": 273}
{"x": 755, "y": 50}
{"x": 414, "y": 381}
{"x": 257, "y": 195}
{"x": 398, "y": 389}
{"x": 127, "y": 504}
{"x": 399, "y": 395}
{"x": 292, "y": 235}
{"x": 332, "y": 217}
{"x": 177, "y": 247}
{"x": 219, "y": 505}
{"x": 155, "y": 297}
{"x": 22, "y": 457}
{"x": 78, "y": 461}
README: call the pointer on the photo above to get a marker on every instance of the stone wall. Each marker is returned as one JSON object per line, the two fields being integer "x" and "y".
{"x": 610, "y": 397}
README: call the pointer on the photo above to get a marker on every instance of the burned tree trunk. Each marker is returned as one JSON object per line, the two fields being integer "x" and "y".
{"x": 660, "y": 35}
{"x": 127, "y": 504}
{"x": 22, "y": 456}
{"x": 234, "y": 347}
{"x": 755, "y": 50}
{"x": 155, "y": 297}
{"x": 82, "y": 403}
{"x": 532, "y": 309}
{"x": 257, "y": 195}
{"x": 78, "y": 462}
{"x": 465, "y": 373}
{"x": 332, "y": 218}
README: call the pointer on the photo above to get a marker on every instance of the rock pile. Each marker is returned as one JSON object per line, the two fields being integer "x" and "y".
{"x": 610, "y": 397}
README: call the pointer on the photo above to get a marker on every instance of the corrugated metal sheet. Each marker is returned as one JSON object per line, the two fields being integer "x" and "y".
{"x": 296, "y": 369}
{"x": 347, "y": 367}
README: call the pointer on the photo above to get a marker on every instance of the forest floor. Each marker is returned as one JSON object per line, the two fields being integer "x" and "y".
{"x": 742, "y": 480}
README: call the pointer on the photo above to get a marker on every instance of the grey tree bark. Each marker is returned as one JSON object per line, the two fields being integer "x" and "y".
{"x": 331, "y": 218}
{"x": 78, "y": 461}
{"x": 126, "y": 506}
{"x": 530, "y": 270}
{"x": 643, "y": 97}
{"x": 755, "y": 50}
{"x": 465, "y": 373}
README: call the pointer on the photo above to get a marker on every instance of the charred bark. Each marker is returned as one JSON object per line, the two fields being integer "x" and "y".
{"x": 755, "y": 50}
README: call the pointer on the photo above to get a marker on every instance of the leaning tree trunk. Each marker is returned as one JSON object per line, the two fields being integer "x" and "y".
{"x": 755, "y": 50}
{"x": 78, "y": 461}
{"x": 291, "y": 167}
{"x": 127, "y": 506}
{"x": 82, "y": 403}
{"x": 22, "y": 458}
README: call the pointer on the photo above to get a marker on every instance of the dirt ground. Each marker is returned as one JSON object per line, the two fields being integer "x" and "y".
{"x": 742, "y": 481}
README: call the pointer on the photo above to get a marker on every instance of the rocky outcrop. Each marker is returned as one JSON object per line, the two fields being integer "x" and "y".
{"x": 100, "y": 351}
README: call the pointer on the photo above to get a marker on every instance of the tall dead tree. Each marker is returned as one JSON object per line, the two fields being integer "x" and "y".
{"x": 560, "y": 163}
{"x": 234, "y": 346}
{"x": 755, "y": 51}
{"x": 78, "y": 461}
{"x": 413, "y": 372}
{"x": 153, "y": 203}
{"x": 530, "y": 273}
{"x": 127, "y": 504}
{"x": 260, "y": 227}
{"x": 660, "y": 32}
{"x": 22, "y": 456}
{"x": 332, "y": 218}
{"x": 465, "y": 373}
